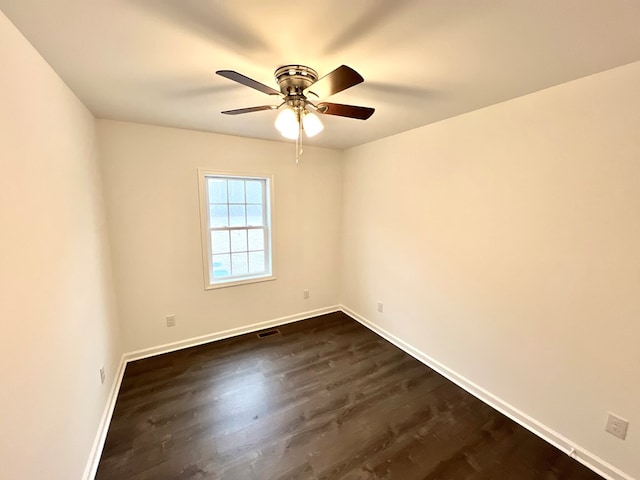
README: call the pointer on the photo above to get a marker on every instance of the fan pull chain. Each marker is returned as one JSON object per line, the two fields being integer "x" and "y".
{"x": 299, "y": 149}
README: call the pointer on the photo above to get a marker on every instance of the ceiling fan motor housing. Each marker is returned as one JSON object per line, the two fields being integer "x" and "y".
{"x": 294, "y": 79}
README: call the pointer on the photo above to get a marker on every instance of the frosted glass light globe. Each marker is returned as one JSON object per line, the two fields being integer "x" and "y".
{"x": 312, "y": 124}
{"x": 287, "y": 124}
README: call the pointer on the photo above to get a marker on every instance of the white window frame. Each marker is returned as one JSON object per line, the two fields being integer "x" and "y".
{"x": 210, "y": 282}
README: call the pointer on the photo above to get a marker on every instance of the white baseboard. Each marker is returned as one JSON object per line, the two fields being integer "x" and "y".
{"x": 98, "y": 444}
{"x": 590, "y": 460}
{"x": 233, "y": 332}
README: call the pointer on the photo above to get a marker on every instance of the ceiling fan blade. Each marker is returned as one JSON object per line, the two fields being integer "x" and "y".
{"x": 340, "y": 79}
{"x": 249, "y": 82}
{"x": 350, "y": 111}
{"x": 238, "y": 111}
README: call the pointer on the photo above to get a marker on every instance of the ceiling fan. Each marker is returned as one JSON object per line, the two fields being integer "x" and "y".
{"x": 297, "y": 83}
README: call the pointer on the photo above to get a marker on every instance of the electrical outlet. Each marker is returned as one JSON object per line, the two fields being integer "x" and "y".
{"x": 102, "y": 375}
{"x": 617, "y": 426}
{"x": 305, "y": 294}
{"x": 380, "y": 307}
{"x": 171, "y": 320}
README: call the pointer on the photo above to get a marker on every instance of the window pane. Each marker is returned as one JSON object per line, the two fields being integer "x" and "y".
{"x": 254, "y": 215}
{"x": 256, "y": 239}
{"x": 256, "y": 262}
{"x": 239, "y": 263}
{"x": 221, "y": 266}
{"x": 220, "y": 242}
{"x": 254, "y": 191}
{"x": 218, "y": 216}
{"x": 217, "y": 190}
{"x": 237, "y": 215}
{"x": 236, "y": 191}
{"x": 238, "y": 240}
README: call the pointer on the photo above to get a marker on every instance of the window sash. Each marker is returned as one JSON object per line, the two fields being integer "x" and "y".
{"x": 265, "y": 249}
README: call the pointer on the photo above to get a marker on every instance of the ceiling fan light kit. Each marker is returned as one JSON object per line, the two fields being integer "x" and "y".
{"x": 297, "y": 83}
{"x": 288, "y": 123}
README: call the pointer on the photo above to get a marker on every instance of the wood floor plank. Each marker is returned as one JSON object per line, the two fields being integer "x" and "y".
{"x": 326, "y": 399}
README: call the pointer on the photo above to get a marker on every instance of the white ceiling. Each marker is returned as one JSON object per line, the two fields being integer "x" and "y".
{"x": 153, "y": 61}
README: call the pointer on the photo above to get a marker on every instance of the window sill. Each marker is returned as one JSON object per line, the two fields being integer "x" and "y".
{"x": 239, "y": 281}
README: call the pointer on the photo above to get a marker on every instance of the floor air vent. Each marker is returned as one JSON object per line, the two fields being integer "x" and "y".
{"x": 269, "y": 333}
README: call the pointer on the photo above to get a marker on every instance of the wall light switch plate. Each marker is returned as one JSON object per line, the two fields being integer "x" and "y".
{"x": 171, "y": 320}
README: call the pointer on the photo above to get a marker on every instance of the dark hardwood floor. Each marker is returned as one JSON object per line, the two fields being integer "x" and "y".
{"x": 326, "y": 399}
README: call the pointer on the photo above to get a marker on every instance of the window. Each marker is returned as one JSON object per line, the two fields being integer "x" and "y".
{"x": 236, "y": 228}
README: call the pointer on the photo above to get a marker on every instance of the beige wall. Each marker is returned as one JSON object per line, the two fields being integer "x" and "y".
{"x": 505, "y": 243}
{"x": 151, "y": 188}
{"x": 56, "y": 297}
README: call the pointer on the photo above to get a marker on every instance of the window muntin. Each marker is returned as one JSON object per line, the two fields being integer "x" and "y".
{"x": 236, "y": 228}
